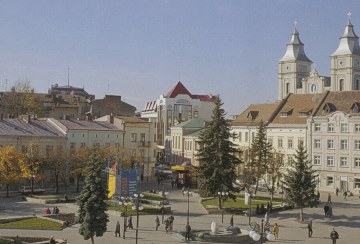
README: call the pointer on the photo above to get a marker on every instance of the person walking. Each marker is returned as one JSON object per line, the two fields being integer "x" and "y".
{"x": 276, "y": 229}
{"x": 267, "y": 218}
{"x": 326, "y": 209}
{"x": 345, "y": 195}
{"x": 232, "y": 221}
{"x": 310, "y": 231}
{"x": 117, "y": 229}
{"x": 187, "y": 232}
{"x": 130, "y": 224}
{"x": 329, "y": 199}
{"x": 334, "y": 236}
{"x": 157, "y": 222}
{"x": 337, "y": 191}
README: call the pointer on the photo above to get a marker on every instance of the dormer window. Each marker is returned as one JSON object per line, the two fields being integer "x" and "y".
{"x": 305, "y": 113}
{"x": 329, "y": 107}
{"x": 355, "y": 107}
{"x": 286, "y": 113}
{"x": 252, "y": 115}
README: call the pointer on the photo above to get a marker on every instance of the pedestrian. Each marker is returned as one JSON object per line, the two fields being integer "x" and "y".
{"x": 270, "y": 207}
{"x": 130, "y": 224}
{"x": 166, "y": 225}
{"x": 53, "y": 211}
{"x": 262, "y": 209}
{"x": 187, "y": 232}
{"x": 172, "y": 184}
{"x": 337, "y": 191}
{"x": 329, "y": 199}
{"x": 47, "y": 211}
{"x": 345, "y": 195}
{"x": 267, "y": 218}
{"x": 330, "y": 211}
{"x": 183, "y": 190}
{"x": 318, "y": 195}
{"x": 276, "y": 230}
{"x": 157, "y": 222}
{"x": 310, "y": 231}
{"x": 232, "y": 221}
{"x": 326, "y": 209}
{"x": 334, "y": 236}
{"x": 57, "y": 210}
{"x": 117, "y": 229}
{"x": 257, "y": 211}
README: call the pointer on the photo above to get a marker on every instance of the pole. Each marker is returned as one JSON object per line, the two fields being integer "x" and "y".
{"x": 250, "y": 209}
{"x": 137, "y": 217}
{"x": 188, "y": 213}
{"x": 125, "y": 214}
{"x": 262, "y": 231}
{"x": 163, "y": 205}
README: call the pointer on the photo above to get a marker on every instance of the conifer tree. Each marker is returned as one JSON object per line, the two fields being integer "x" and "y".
{"x": 92, "y": 206}
{"x": 299, "y": 182}
{"x": 261, "y": 154}
{"x": 217, "y": 156}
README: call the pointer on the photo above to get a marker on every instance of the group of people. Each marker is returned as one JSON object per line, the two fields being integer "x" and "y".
{"x": 129, "y": 225}
{"x": 169, "y": 222}
{"x": 55, "y": 210}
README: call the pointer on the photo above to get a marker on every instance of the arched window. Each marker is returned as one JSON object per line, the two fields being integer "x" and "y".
{"x": 313, "y": 88}
{"x": 341, "y": 84}
{"x": 287, "y": 88}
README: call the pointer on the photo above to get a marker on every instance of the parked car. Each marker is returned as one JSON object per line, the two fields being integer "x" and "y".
{"x": 261, "y": 187}
{"x": 27, "y": 190}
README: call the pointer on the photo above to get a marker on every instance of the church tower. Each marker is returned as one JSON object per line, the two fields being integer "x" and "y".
{"x": 293, "y": 67}
{"x": 345, "y": 61}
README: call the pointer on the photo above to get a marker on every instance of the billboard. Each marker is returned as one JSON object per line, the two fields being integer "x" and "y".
{"x": 122, "y": 182}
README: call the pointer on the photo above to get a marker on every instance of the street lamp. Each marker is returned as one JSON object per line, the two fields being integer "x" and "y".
{"x": 222, "y": 196}
{"x": 124, "y": 202}
{"x": 250, "y": 195}
{"x": 137, "y": 207}
{"x": 258, "y": 233}
{"x": 188, "y": 193}
{"x": 32, "y": 183}
{"x": 163, "y": 194}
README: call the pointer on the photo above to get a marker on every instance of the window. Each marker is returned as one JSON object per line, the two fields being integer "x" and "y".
{"x": 82, "y": 145}
{"x": 240, "y": 136}
{"x": 331, "y": 127}
{"x": 290, "y": 143}
{"x": 317, "y": 127}
{"x": 357, "y": 144}
{"x": 246, "y": 136}
{"x": 357, "y": 183}
{"x": 330, "y": 161}
{"x": 343, "y": 144}
{"x": 280, "y": 142}
{"x": 290, "y": 159}
{"x": 344, "y": 127}
{"x": 357, "y": 162}
{"x": 142, "y": 153}
{"x": 330, "y": 144}
{"x": 287, "y": 85}
{"x": 329, "y": 181}
{"x": 357, "y": 128}
{"x": 301, "y": 142}
{"x": 270, "y": 141}
{"x": 107, "y": 145}
{"x": 317, "y": 160}
{"x": 133, "y": 136}
{"x": 317, "y": 143}
{"x": 252, "y": 135}
{"x": 72, "y": 147}
{"x": 341, "y": 84}
{"x": 343, "y": 162}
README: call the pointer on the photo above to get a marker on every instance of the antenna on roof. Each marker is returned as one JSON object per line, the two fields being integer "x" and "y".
{"x": 68, "y": 76}
{"x": 108, "y": 88}
{"x": 6, "y": 81}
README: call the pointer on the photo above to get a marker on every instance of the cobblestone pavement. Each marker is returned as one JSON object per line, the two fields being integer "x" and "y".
{"x": 346, "y": 221}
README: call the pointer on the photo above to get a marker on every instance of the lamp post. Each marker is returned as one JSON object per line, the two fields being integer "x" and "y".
{"x": 257, "y": 233}
{"x": 32, "y": 183}
{"x": 188, "y": 193}
{"x": 124, "y": 202}
{"x": 138, "y": 207}
{"x": 163, "y": 194}
{"x": 222, "y": 196}
{"x": 250, "y": 195}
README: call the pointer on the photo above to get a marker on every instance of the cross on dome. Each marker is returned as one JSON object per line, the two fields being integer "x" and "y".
{"x": 295, "y": 23}
{"x": 349, "y": 15}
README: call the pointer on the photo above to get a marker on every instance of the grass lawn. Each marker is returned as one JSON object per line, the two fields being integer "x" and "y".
{"x": 229, "y": 203}
{"x": 32, "y": 223}
{"x": 6, "y": 242}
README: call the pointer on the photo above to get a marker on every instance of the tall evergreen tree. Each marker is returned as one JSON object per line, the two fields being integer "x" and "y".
{"x": 92, "y": 206}
{"x": 217, "y": 155}
{"x": 260, "y": 154}
{"x": 299, "y": 182}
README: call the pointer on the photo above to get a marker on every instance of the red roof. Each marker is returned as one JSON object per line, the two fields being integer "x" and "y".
{"x": 179, "y": 88}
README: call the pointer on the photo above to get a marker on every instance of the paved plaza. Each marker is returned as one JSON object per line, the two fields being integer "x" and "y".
{"x": 346, "y": 221}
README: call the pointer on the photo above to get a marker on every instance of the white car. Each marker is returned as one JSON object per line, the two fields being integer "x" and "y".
{"x": 261, "y": 187}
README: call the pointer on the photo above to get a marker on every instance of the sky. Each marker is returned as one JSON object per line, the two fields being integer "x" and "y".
{"x": 139, "y": 49}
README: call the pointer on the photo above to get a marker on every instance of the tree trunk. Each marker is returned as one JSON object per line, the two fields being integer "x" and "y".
{"x": 219, "y": 201}
{"x": 301, "y": 214}
{"x": 7, "y": 190}
{"x": 57, "y": 182}
{"x": 92, "y": 240}
{"x": 77, "y": 182}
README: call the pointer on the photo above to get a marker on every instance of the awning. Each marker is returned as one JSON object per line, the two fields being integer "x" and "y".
{"x": 160, "y": 147}
{"x": 180, "y": 168}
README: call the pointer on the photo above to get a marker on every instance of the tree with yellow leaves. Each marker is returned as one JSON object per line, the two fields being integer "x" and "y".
{"x": 10, "y": 167}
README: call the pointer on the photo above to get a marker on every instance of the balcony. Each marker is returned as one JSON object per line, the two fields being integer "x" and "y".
{"x": 144, "y": 144}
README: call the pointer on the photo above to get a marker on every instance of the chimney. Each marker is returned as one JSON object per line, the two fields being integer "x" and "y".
{"x": 111, "y": 119}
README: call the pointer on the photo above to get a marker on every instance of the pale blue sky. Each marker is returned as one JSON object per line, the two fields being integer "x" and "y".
{"x": 140, "y": 49}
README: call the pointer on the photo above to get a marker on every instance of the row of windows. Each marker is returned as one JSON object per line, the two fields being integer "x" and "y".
{"x": 344, "y": 127}
{"x": 330, "y": 144}
{"x": 246, "y": 136}
{"x": 330, "y": 161}
{"x": 134, "y": 137}
{"x": 108, "y": 136}
{"x": 290, "y": 142}
{"x": 330, "y": 181}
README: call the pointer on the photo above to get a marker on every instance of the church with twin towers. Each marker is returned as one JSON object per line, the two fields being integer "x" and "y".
{"x": 297, "y": 77}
